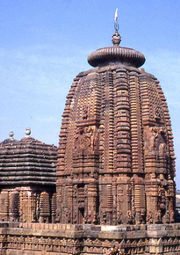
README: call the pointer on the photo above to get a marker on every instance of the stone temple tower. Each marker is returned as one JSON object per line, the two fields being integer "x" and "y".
{"x": 115, "y": 157}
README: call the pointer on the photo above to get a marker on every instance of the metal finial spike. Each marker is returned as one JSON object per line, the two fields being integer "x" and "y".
{"x": 116, "y": 25}
{"x": 116, "y": 15}
{"x": 116, "y": 38}
{"x": 11, "y": 135}
{"x": 28, "y": 132}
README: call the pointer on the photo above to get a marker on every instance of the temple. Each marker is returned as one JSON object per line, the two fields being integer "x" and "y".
{"x": 115, "y": 156}
{"x": 109, "y": 186}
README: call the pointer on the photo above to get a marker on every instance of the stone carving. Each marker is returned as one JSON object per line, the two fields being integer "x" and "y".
{"x": 85, "y": 113}
{"x": 155, "y": 141}
{"x": 86, "y": 140}
{"x": 171, "y": 215}
{"x": 130, "y": 216}
{"x": 149, "y": 219}
{"x": 158, "y": 218}
{"x": 115, "y": 251}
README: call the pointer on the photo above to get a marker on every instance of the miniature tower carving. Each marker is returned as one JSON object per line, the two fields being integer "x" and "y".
{"x": 115, "y": 157}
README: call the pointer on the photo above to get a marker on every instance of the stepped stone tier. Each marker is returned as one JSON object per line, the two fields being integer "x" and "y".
{"x": 115, "y": 157}
{"x": 27, "y": 180}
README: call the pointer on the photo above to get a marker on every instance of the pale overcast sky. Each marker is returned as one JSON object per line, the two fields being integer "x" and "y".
{"x": 44, "y": 44}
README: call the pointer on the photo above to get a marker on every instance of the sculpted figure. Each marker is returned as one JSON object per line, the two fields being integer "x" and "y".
{"x": 103, "y": 221}
{"x": 86, "y": 140}
{"x": 150, "y": 218}
{"x": 130, "y": 216}
{"x": 162, "y": 143}
{"x": 149, "y": 142}
{"x": 171, "y": 216}
{"x": 155, "y": 141}
{"x": 158, "y": 218}
{"x": 137, "y": 218}
{"x": 119, "y": 218}
{"x": 91, "y": 217}
{"x": 85, "y": 112}
{"x": 58, "y": 215}
{"x": 81, "y": 140}
{"x": 162, "y": 149}
{"x": 166, "y": 217}
{"x": 75, "y": 217}
{"x": 142, "y": 216}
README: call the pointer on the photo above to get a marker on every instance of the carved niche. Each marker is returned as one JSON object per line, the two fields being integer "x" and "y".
{"x": 86, "y": 140}
{"x": 155, "y": 143}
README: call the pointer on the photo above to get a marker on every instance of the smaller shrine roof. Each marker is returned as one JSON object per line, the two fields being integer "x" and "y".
{"x": 27, "y": 161}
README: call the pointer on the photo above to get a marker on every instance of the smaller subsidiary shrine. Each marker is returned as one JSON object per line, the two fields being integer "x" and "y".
{"x": 27, "y": 180}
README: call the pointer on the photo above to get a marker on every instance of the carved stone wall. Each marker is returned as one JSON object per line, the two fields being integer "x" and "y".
{"x": 115, "y": 157}
{"x": 27, "y": 204}
{"x": 55, "y": 239}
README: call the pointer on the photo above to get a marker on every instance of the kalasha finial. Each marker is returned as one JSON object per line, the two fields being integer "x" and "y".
{"x": 116, "y": 38}
{"x": 11, "y": 135}
{"x": 28, "y": 132}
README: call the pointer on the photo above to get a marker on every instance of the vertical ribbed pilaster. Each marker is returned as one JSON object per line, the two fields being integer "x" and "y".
{"x": 137, "y": 147}
{"x": 108, "y": 121}
{"x": 122, "y": 141}
{"x": 136, "y": 124}
{"x": 111, "y": 121}
{"x": 122, "y": 123}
